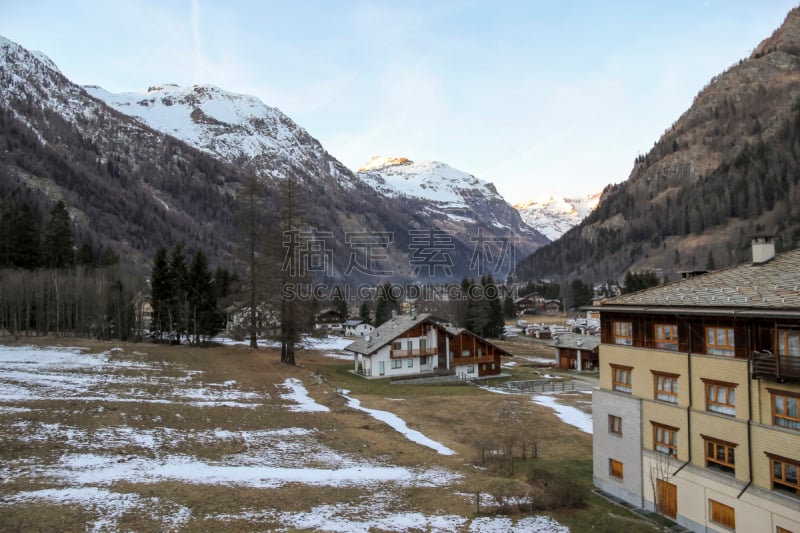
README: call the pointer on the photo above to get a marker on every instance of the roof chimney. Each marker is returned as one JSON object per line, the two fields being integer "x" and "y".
{"x": 763, "y": 249}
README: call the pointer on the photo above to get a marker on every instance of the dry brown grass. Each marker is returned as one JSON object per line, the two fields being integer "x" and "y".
{"x": 478, "y": 425}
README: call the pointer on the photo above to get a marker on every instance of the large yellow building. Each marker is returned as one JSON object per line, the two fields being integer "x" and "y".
{"x": 696, "y": 414}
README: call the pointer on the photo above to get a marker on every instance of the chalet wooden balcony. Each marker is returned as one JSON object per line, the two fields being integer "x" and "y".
{"x": 397, "y": 354}
{"x": 779, "y": 368}
{"x": 473, "y": 360}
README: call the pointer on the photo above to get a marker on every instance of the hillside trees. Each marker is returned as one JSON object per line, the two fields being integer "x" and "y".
{"x": 20, "y": 245}
{"x": 480, "y": 310}
{"x": 42, "y": 293}
{"x": 184, "y": 299}
{"x": 638, "y": 281}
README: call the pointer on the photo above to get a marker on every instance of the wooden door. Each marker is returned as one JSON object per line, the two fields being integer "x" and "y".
{"x": 667, "y": 499}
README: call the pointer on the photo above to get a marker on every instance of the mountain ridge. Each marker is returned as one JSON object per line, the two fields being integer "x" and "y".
{"x": 725, "y": 170}
{"x": 229, "y": 136}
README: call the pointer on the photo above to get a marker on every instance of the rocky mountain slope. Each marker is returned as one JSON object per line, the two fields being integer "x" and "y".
{"x": 165, "y": 166}
{"x": 726, "y": 170}
{"x": 127, "y": 187}
{"x": 554, "y": 215}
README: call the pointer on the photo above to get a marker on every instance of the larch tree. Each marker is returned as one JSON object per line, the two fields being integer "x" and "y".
{"x": 294, "y": 315}
{"x": 250, "y": 219}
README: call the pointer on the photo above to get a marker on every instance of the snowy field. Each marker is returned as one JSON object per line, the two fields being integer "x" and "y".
{"x": 93, "y": 466}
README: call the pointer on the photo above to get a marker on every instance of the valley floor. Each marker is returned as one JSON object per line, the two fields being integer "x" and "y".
{"x": 98, "y": 436}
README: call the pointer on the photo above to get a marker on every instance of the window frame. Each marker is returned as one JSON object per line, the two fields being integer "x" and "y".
{"x": 623, "y": 333}
{"x": 616, "y": 467}
{"x": 660, "y": 391}
{"x": 667, "y": 447}
{"x": 784, "y": 485}
{"x": 724, "y": 465}
{"x": 620, "y": 371}
{"x": 791, "y": 422}
{"x": 785, "y": 346}
{"x": 664, "y": 342}
{"x": 713, "y": 347}
{"x": 396, "y": 364}
{"x": 725, "y": 408}
{"x": 615, "y": 425}
{"x": 718, "y": 513}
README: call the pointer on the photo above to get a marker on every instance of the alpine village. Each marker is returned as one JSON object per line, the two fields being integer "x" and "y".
{"x": 209, "y": 323}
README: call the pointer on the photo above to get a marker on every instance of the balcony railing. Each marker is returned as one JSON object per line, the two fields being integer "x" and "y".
{"x": 777, "y": 367}
{"x": 396, "y": 354}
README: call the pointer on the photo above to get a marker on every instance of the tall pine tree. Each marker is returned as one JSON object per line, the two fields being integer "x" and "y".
{"x": 161, "y": 294}
{"x": 57, "y": 245}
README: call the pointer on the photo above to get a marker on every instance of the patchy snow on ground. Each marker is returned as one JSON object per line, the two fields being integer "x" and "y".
{"x": 331, "y": 342}
{"x": 399, "y": 425}
{"x": 298, "y": 394}
{"x": 567, "y": 413}
{"x": 90, "y": 461}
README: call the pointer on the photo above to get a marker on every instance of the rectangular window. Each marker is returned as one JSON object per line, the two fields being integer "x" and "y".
{"x": 720, "y": 397}
{"x": 465, "y": 353}
{"x": 666, "y": 386}
{"x": 621, "y": 378}
{"x": 785, "y": 474}
{"x": 470, "y": 369}
{"x": 785, "y": 411}
{"x": 423, "y": 360}
{"x": 667, "y": 336}
{"x": 423, "y": 344}
{"x": 397, "y": 345}
{"x": 720, "y": 454}
{"x": 665, "y": 439}
{"x": 615, "y": 425}
{"x": 397, "y": 363}
{"x": 623, "y": 333}
{"x": 722, "y": 514}
{"x": 719, "y": 341}
{"x": 789, "y": 343}
{"x": 615, "y": 468}
{"x": 410, "y": 363}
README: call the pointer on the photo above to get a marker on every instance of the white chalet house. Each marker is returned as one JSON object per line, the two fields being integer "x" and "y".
{"x": 357, "y": 328}
{"x": 408, "y": 345}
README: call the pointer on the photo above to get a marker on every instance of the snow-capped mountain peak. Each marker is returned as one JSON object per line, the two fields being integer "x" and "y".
{"x": 555, "y": 215}
{"x": 429, "y": 180}
{"x": 234, "y": 127}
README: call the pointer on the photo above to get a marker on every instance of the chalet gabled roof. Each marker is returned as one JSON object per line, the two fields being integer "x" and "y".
{"x": 456, "y": 331}
{"x": 386, "y": 333}
{"x": 397, "y": 326}
{"x": 353, "y": 322}
{"x": 576, "y": 341}
{"x": 770, "y": 286}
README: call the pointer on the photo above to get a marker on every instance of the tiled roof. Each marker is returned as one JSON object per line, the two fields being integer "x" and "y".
{"x": 386, "y": 333}
{"x": 771, "y": 285}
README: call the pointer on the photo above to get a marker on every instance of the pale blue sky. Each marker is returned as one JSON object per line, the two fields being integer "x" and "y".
{"x": 537, "y": 97}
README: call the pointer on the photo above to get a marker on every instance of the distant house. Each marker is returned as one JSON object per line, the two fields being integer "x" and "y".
{"x": 355, "y": 327}
{"x": 552, "y": 306}
{"x": 528, "y": 304}
{"x": 577, "y": 352}
{"x": 329, "y": 319}
{"x": 408, "y": 345}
